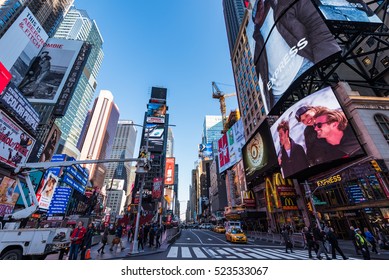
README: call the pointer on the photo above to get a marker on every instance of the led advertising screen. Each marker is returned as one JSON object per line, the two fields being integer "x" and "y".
{"x": 155, "y": 135}
{"x": 51, "y": 143}
{"x": 230, "y": 146}
{"x": 156, "y": 113}
{"x": 309, "y": 134}
{"x": 258, "y": 153}
{"x": 5, "y": 77}
{"x": 47, "y": 73}
{"x": 169, "y": 170}
{"x": 27, "y": 37}
{"x": 15, "y": 143}
{"x": 290, "y": 38}
{"x": 350, "y": 14}
{"x": 8, "y": 195}
{"x": 206, "y": 151}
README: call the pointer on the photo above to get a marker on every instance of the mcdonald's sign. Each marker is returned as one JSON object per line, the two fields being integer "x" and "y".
{"x": 272, "y": 197}
{"x": 249, "y": 198}
{"x": 289, "y": 203}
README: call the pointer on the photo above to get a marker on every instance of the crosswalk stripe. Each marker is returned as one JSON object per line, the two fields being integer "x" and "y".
{"x": 185, "y": 253}
{"x": 243, "y": 256}
{"x": 222, "y": 252}
{"x": 173, "y": 252}
{"x": 198, "y": 252}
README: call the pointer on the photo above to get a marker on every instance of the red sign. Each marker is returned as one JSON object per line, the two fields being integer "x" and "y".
{"x": 157, "y": 188}
{"x": 5, "y": 77}
{"x": 169, "y": 171}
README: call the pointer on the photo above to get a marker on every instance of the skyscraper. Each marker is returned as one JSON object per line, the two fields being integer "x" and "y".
{"x": 99, "y": 135}
{"x": 170, "y": 143}
{"x": 212, "y": 130}
{"x": 49, "y": 13}
{"x": 78, "y": 26}
{"x": 233, "y": 15}
{"x": 123, "y": 147}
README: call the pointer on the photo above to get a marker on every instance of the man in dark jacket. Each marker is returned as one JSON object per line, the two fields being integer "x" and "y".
{"x": 300, "y": 40}
{"x": 293, "y": 158}
{"x": 331, "y": 237}
{"x": 319, "y": 237}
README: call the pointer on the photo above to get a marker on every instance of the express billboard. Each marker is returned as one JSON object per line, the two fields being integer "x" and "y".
{"x": 47, "y": 73}
{"x": 230, "y": 146}
{"x": 258, "y": 153}
{"x": 350, "y": 14}
{"x": 290, "y": 39}
{"x": 27, "y": 37}
{"x": 308, "y": 134}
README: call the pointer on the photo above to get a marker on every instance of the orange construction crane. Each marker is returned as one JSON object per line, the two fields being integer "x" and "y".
{"x": 218, "y": 94}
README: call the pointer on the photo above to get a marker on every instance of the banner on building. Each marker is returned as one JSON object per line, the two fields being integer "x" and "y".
{"x": 5, "y": 77}
{"x": 15, "y": 143}
{"x": 169, "y": 171}
{"x": 8, "y": 196}
{"x": 157, "y": 188}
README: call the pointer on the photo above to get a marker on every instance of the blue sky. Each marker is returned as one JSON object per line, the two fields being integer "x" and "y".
{"x": 177, "y": 44}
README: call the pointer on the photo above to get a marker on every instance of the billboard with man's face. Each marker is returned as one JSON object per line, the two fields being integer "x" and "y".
{"x": 309, "y": 134}
{"x": 290, "y": 38}
{"x": 47, "y": 72}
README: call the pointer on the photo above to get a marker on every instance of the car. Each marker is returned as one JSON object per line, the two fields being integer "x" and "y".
{"x": 219, "y": 229}
{"x": 236, "y": 235}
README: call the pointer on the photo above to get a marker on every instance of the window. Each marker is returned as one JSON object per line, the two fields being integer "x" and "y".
{"x": 383, "y": 123}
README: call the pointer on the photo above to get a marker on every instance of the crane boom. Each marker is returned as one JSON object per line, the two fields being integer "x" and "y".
{"x": 217, "y": 94}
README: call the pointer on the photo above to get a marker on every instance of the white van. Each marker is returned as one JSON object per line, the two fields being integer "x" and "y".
{"x": 231, "y": 224}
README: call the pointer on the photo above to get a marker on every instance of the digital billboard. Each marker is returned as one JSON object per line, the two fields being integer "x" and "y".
{"x": 290, "y": 38}
{"x": 27, "y": 37}
{"x": 15, "y": 143}
{"x": 258, "y": 153}
{"x": 156, "y": 113}
{"x": 47, "y": 73}
{"x": 206, "y": 151}
{"x": 155, "y": 135}
{"x": 169, "y": 170}
{"x": 230, "y": 146}
{"x": 350, "y": 14}
{"x": 51, "y": 143}
{"x": 309, "y": 134}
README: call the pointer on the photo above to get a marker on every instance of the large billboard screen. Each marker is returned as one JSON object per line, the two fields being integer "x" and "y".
{"x": 230, "y": 146}
{"x": 15, "y": 143}
{"x": 350, "y": 14}
{"x": 154, "y": 134}
{"x": 309, "y": 134}
{"x": 169, "y": 170}
{"x": 156, "y": 113}
{"x": 258, "y": 153}
{"x": 47, "y": 73}
{"x": 290, "y": 38}
{"x": 51, "y": 143}
{"x": 21, "y": 43}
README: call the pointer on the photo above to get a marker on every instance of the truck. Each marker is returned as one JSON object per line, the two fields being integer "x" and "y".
{"x": 37, "y": 243}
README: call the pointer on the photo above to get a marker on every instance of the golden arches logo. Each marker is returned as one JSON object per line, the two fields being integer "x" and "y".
{"x": 248, "y": 195}
{"x": 288, "y": 201}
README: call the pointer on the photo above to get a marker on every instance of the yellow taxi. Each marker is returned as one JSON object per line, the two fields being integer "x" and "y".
{"x": 236, "y": 235}
{"x": 219, "y": 229}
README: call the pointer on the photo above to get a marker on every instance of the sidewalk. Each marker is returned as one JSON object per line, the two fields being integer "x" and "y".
{"x": 117, "y": 253}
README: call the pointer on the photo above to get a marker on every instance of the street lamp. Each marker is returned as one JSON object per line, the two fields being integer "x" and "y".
{"x": 142, "y": 184}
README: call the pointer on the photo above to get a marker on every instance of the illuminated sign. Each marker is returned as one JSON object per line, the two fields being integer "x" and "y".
{"x": 249, "y": 198}
{"x": 169, "y": 171}
{"x": 329, "y": 181}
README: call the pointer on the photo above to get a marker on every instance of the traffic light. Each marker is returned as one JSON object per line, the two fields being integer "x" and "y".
{"x": 309, "y": 205}
{"x": 375, "y": 165}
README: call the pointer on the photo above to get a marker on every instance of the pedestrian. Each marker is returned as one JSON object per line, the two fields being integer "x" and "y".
{"x": 151, "y": 236}
{"x": 146, "y": 230}
{"x": 319, "y": 237}
{"x": 333, "y": 240}
{"x": 362, "y": 243}
{"x": 104, "y": 240}
{"x": 87, "y": 241}
{"x": 310, "y": 242}
{"x": 118, "y": 237}
{"x": 76, "y": 239}
{"x": 351, "y": 235}
{"x": 158, "y": 234}
{"x": 371, "y": 239}
{"x": 141, "y": 238}
{"x": 288, "y": 243}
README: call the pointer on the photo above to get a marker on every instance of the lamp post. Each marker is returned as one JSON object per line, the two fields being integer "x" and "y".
{"x": 142, "y": 184}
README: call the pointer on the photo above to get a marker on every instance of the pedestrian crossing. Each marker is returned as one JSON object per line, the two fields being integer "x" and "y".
{"x": 253, "y": 253}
